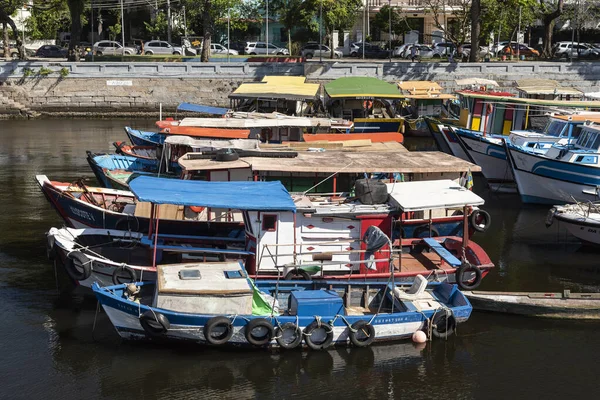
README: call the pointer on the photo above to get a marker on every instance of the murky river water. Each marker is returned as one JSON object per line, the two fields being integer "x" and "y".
{"x": 48, "y": 350}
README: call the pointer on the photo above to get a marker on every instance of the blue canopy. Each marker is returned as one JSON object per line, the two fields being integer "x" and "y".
{"x": 255, "y": 196}
{"x": 201, "y": 109}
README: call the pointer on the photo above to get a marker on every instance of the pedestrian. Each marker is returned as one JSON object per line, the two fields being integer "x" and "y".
{"x": 413, "y": 53}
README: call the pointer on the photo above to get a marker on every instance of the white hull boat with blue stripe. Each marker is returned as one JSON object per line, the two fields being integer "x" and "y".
{"x": 217, "y": 304}
{"x": 563, "y": 175}
{"x": 582, "y": 220}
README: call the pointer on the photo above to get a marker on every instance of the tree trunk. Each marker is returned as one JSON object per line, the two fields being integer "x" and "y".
{"x": 5, "y": 41}
{"x": 75, "y": 9}
{"x": 475, "y": 29}
{"x": 549, "y": 20}
{"x": 6, "y": 19}
{"x": 207, "y": 26}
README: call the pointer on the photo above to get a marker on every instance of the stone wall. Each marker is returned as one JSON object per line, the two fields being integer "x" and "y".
{"x": 133, "y": 89}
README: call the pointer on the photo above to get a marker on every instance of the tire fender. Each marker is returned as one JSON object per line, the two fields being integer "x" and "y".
{"x": 75, "y": 260}
{"x": 423, "y": 231}
{"x": 211, "y": 330}
{"x": 154, "y": 323}
{"x": 259, "y": 340}
{"x": 443, "y": 324}
{"x": 123, "y": 270}
{"x": 462, "y": 270}
{"x": 362, "y": 333}
{"x": 480, "y": 226}
{"x": 310, "y": 329}
{"x": 282, "y": 341}
{"x": 297, "y": 275}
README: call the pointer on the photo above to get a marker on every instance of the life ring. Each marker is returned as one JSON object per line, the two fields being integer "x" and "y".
{"x": 197, "y": 209}
{"x": 297, "y": 275}
{"x": 443, "y": 324}
{"x": 550, "y": 217}
{"x": 218, "y": 330}
{"x": 480, "y": 220}
{"x": 154, "y": 323}
{"x": 462, "y": 270}
{"x": 285, "y": 339}
{"x": 75, "y": 260}
{"x": 423, "y": 232}
{"x": 227, "y": 155}
{"x": 259, "y": 338}
{"x": 315, "y": 326}
{"x": 117, "y": 277}
{"x": 367, "y": 104}
{"x": 362, "y": 333}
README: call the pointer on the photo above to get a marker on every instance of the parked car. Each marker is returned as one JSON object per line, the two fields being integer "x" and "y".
{"x": 216, "y": 48}
{"x": 443, "y": 49}
{"x": 161, "y": 47}
{"x": 520, "y": 49}
{"x": 399, "y": 50}
{"x": 372, "y": 51}
{"x": 578, "y": 50}
{"x": 464, "y": 50}
{"x": 51, "y": 51}
{"x": 254, "y": 48}
{"x": 13, "y": 51}
{"x": 423, "y": 51}
{"x": 356, "y": 46}
{"x": 237, "y": 46}
{"x": 496, "y": 47}
{"x": 311, "y": 50}
{"x": 112, "y": 48}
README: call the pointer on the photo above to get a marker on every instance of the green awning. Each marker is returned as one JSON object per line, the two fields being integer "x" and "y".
{"x": 362, "y": 87}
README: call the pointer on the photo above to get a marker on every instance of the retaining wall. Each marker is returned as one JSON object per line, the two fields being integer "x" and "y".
{"x": 138, "y": 88}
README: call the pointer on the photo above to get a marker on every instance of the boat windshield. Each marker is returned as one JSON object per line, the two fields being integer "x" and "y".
{"x": 589, "y": 140}
{"x": 555, "y": 128}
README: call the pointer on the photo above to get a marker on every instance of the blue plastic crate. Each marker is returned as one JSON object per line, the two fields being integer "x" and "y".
{"x": 323, "y": 303}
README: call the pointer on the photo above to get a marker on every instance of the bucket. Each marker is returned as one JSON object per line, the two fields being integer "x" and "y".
{"x": 503, "y": 58}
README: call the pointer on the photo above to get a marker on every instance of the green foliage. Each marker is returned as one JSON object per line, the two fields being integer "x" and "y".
{"x": 503, "y": 17}
{"x": 27, "y": 72}
{"x": 158, "y": 27}
{"x": 64, "y": 72}
{"x": 44, "y": 71}
{"x": 381, "y": 21}
{"x": 45, "y": 23}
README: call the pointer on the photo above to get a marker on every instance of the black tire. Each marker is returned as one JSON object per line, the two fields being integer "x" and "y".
{"x": 176, "y": 53}
{"x": 462, "y": 270}
{"x": 476, "y": 220}
{"x": 99, "y": 53}
{"x": 149, "y": 52}
{"x": 154, "y": 323}
{"x": 283, "y": 341}
{"x": 443, "y": 325}
{"x": 280, "y": 54}
{"x": 423, "y": 232}
{"x": 125, "y": 224}
{"x": 76, "y": 261}
{"x": 314, "y": 326}
{"x": 308, "y": 56}
{"x": 437, "y": 56}
{"x": 354, "y": 54}
{"x": 252, "y": 53}
{"x": 297, "y": 275}
{"x": 362, "y": 333}
{"x": 121, "y": 272}
{"x": 218, "y": 330}
{"x": 338, "y": 56}
{"x": 227, "y": 155}
{"x": 260, "y": 339}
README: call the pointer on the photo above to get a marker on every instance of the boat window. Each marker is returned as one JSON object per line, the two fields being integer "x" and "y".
{"x": 582, "y": 138}
{"x": 596, "y": 143}
{"x": 576, "y": 131}
{"x": 587, "y": 159}
{"x": 269, "y": 222}
{"x": 555, "y": 128}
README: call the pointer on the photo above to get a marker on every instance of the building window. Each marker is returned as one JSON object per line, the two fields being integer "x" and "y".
{"x": 269, "y": 222}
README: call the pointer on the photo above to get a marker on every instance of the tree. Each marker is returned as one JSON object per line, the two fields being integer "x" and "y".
{"x": 458, "y": 29}
{"x": 8, "y": 8}
{"x": 549, "y": 11}
{"x": 76, "y": 8}
{"x": 381, "y": 21}
{"x": 289, "y": 13}
{"x": 475, "y": 29}
{"x": 48, "y": 19}
{"x": 158, "y": 27}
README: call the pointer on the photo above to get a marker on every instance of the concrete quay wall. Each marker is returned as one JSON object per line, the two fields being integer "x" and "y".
{"x": 129, "y": 89}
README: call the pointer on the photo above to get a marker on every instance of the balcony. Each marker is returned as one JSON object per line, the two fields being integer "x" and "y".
{"x": 414, "y": 3}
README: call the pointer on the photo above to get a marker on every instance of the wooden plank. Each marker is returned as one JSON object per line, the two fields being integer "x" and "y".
{"x": 442, "y": 252}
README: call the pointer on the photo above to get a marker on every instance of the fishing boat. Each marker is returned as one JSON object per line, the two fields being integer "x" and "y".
{"x": 564, "y": 305}
{"x": 144, "y": 152}
{"x": 563, "y": 174}
{"x": 82, "y": 206}
{"x": 217, "y": 304}
{"x": 325, "y": 235}
{"x": 582, "y": 220}
{"x": 145, "y": 138}
{"x": 424, "y": 99}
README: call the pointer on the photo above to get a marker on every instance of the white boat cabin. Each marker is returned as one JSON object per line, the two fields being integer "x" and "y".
{"x": 585, "y": 151}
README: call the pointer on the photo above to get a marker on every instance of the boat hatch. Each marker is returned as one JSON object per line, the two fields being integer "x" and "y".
{"x": 429, "y": 195}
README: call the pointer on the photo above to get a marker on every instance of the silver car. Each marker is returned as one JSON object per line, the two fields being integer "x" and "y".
{"x": 112, "y": 48}
{"x": 161, "y": 47}
{"x": 216, "y": 48}
{"x": 422, "y": 51}
{"x": 312, "y": 50}
{"x": 254, "y": 48}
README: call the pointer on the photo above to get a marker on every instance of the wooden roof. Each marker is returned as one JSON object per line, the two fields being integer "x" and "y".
{"x": 344, "y": 162}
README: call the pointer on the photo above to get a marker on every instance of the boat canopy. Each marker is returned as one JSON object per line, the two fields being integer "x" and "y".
{"x": 476, "y": 82}
{"x": 534, "y": 102}
{"x": 202, "y": 109}
{"x": 362, "y": 87}
{"x": 424, "y": 90}
{"x": 247, "y": 144}
{"x": 255, "y": 196}
{"x": 278, "y": 87}
{"x": 429, "y": 195}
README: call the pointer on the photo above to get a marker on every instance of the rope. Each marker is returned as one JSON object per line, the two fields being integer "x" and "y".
{"x": 95, "y": 316}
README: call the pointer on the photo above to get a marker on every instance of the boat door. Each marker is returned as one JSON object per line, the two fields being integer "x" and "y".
{"x": 275, "y": 244}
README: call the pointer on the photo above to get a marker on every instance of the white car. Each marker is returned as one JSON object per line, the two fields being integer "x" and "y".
{"x": 216, "y": 48}
{"x": 161, "y": 47}
{"x": 253, "y": 48}
{"x": 112, "y": 48}
{"x": 312, "y": 50}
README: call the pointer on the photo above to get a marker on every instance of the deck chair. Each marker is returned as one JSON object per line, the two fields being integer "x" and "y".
{"x": 414, "y": 292}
